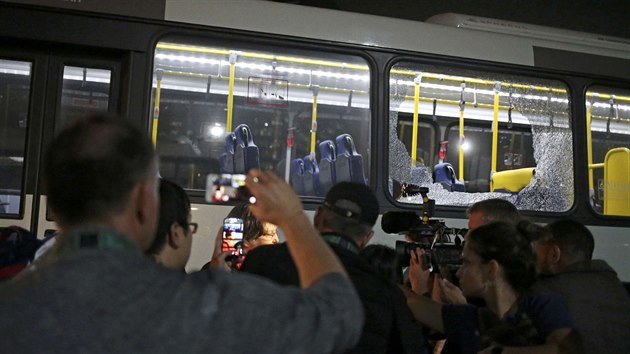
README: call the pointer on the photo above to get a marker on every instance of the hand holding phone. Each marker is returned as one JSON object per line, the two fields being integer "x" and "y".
{"x": 222, "y": 188}
{"x": 232, "y": 238}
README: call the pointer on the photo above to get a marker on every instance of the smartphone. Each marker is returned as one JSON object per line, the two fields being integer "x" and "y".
{"x": 232, "y": 240}
{"x": 222, "y": 188}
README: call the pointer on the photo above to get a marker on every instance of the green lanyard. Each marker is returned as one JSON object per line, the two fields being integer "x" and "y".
{"x": 103, "y": 239}
{"x": 342, "y": 242}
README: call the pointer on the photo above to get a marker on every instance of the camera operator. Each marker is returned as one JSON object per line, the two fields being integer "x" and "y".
{"x": 345, "y": 222}
{"x": 479, "y": 214}
{"x": 500, "y": 267}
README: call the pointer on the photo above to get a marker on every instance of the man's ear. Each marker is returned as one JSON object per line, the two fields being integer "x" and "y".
{"x": 555, "y": 254}
{"x": 174, "y": 235}
{"x": 366, "y": 239}
{"x": 145, "y": 201}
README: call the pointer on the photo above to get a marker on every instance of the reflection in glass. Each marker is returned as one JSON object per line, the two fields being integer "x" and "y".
{"x": 15, "y": 88}
{"x": 85, "y": 91}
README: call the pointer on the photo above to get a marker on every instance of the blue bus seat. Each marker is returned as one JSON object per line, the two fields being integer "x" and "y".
{"x": 311, "y": 176}
{"x": 349, "y": 164}
{"x": 245, "y": 151}
{"x": 444, "y": 174}
{"x": 327, "y": 171}
{"x": 226, "y": 160}
{"x": 297, "y": 175}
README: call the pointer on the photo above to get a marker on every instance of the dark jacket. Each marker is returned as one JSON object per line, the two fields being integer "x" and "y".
{"x": 598, "y": 303}
{"x": 389, "y": 325}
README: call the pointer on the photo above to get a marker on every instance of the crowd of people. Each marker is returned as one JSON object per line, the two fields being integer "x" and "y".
{"x": 113, "y": 279}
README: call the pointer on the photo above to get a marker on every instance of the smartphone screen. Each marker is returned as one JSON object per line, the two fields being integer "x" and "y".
{"x": 221, "y": 188}
{"x": 232, "y": 236}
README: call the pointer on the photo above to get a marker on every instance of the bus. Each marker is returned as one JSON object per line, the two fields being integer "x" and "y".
{"x": 470, "y": 108}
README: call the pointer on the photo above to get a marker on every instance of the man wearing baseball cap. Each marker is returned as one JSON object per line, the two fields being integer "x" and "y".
{"x": 345, "y": 221}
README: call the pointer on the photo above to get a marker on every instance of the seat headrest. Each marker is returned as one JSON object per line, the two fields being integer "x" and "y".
{"x": 230, "y": 142}
{"x": 243, "y": 135}
{"x": 345, "y": 145}
{"x": 327, "y": 150}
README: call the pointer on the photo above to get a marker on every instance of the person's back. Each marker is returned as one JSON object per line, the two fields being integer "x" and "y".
{"x": 595, "y": 297}
{"x": 95, "y": 291}
{"x": 389, "y": 327}
{"x": 128, "y": 304}
{"x": 598, "y": 303}
{"x": 384, "y": 304}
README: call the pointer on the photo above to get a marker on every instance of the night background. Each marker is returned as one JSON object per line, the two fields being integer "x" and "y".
{"x": 605, "y": 17}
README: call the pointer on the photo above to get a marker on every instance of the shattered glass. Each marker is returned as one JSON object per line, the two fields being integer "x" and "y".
{"x": 551, "y": 188}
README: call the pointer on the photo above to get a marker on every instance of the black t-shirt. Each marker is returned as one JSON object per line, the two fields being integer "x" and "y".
{"x": 389, "y": 325}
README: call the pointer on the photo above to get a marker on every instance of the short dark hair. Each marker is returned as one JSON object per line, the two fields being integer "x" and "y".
{"x": 573, "y": 238}
{"x": 174, "y": 208}
{"x": 91, "y": 167}
{"x": 252, "y": 227}
{"x": 496, "y": 210}
{"x": 510, "y": 246}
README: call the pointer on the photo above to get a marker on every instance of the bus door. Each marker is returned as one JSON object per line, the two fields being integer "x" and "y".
{"x": 42, "y": 90}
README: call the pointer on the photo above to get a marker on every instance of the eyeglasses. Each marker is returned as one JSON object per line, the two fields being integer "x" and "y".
{"x": 192, "y": 226}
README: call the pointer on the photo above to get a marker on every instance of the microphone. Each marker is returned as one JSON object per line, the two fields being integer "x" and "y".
{"x": 394, "y": 222}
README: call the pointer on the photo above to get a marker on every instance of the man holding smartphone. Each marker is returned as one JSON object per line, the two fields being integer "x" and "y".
{"x": 96, "y": 292}
{"x": 345, "y": 222}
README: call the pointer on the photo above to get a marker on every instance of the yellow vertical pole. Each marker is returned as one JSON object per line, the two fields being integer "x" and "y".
{"x": 230, "y": 101}
{"x": 159, "y": 74}
{"x": 315, "y": 90}
{"x": 462, "y": 105}
{"x": 589, "y": 146}
{"x": 495, "y": 131}
{"x": 414, "y": 131}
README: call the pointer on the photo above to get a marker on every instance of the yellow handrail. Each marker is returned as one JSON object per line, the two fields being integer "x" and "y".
{"x": 495, "y": 129}
{"x": 589, "y": 147}
{"x": 462, "y": 106}
{"x": 343, "y": 65}
{"x": 230, "y": 99}
{"x": 414, "y": 131}
{"x": 595, "y": 165}
{"x": 156, "y": 105}
{"x": 315, "y": 90}
{"x": 193, "y": 49}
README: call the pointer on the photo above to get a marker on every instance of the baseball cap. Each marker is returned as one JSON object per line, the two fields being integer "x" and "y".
{"x": 353, "y": 200}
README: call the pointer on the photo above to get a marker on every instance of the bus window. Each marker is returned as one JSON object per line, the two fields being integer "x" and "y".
{"x": 228, "y": 108}
{"x": 608, "y": 128}
{"x": 425, "y": 147}
{"x": 15, "y": 88}
{"x": 523, "y": 160}
{"x": 84, "y": 91}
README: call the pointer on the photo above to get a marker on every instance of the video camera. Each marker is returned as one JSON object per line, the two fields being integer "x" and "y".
{"x": 442, "y": 245}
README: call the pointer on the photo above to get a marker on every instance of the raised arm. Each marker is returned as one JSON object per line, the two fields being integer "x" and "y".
{"x": 277, "y": 203}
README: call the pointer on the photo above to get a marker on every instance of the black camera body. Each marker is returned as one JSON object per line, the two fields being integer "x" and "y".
{"x": 441, "y": 255}
{"x": 442, "y": 245}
